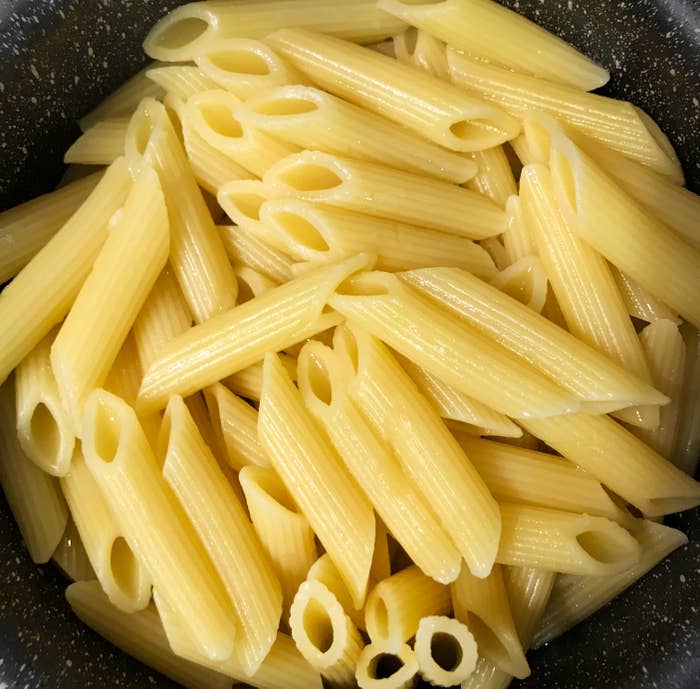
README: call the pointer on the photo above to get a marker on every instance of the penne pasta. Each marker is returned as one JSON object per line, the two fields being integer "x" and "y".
{"x": 493, "y": 33}
{"x": 613, "y": 123}
{"x": 26, "y": 228}
{"x": 33, "y": 496}
{"x": 456, "y": 406}
{"x": 592, "y": 377}
{"x": 495, "y": 177}
{"x": 234, "y": 340}
{"x": 122, "y": 462}
{"x": 308, "y": 231}
{"x": 396, "y": 605}
{"x": 434, "y": 109}
{"x": 496, "y": 250}
{"x": 191, "y": 471}
{"x": 43, "y": 292}
{"x": 576, "y": 597}
{"x": 339, "y": 513}
{"x": 242, "y": 201}
{"x": 583, "y": 190}
{"x": 421, "y": 49}
{"x": 197, "y": 255}
{"x": 140, "y": 635}
{"x": 619, "y": 460}
{"x": 448, "y": 348}
{"x": 516, "y": 239}
{"x": 380, "y": 667}
{"x": 515, "y": 474}
{"x": 324, "y": 634}
{"x": 445, "y": 650}
{"x": 283, "y": 530}
{"x": 181, "y": 81}
{"x": 685, "y": 454}
{"x": 325, "y": 572}
{"x": 526, "y": 281}
{"x": 136, "y": 249}
{"x": 482, "y": 605}
{"x": 244, "y": 67}
{"x": 120, "y": 573}
{"x": 248, "y": 382}
{"x": 70, "y": 556}
{"x": 640, "y": 304}
{"x": 428, "y": 453}
{"x": 44, "y": 426}
{"x": 188, "y": 31}
{"x": 251, "y": 284}
{"x": 102, "y": 144}
{"x": 124, "y": 377}
{"x": 564, "y": 542}
{"x": 384, "y": 193}
{"x": 323, "y": 381}
{"x": 583, "y": 284}
{"x": 236, "y": 424}
{"x": 316, "y": 120}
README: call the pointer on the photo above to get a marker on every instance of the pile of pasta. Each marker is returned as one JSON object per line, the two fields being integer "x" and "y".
{"x": 303, "y": 387}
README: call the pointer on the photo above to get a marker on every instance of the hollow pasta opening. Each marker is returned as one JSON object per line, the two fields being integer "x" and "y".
{"x": 240, "y": 61}
{"x": 410, "y": 40}
{"x": 247, "y": 203}
{"x": 107, "y": 432}
{"x": 272, "y": 486}
{"x": 245, "y": 291}
{"x": 301, "y": 231}
{"x": 446, "y": 651}
{"x": 124, "y": 567}
{"x": 477, "y": 129}
{"x": 286, "y": 106}
{"x": 602, "y": 546}
{"x": 380, "y": 613}
{"x": 221, "y": 120}
{"x": 384, "y": 666}
{"x": 310, "y": 177}
{"x": 180, "y": 33}
{"x": 318, "y": 626}
{"x": 489, "y": 643}
{"x": 319, "y": 380}
{"x": 367, "y": 285}
{"x": 46, "y": 435}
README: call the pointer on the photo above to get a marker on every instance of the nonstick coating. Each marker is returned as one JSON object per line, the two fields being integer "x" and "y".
{"x": 58, "y": 58}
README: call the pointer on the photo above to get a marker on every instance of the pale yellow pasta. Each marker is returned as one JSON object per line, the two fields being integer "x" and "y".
{"x": 434, "y": 109}
{"x": 109, "y": 301}
{"x": 26, "y": 228}
{"x": 564, "y": 541}
{"x": 236, "y": 423}
{"x": 189, "y": 30}
{"x": 197, "y": 255}
{"x": 251, "y": 283}
{"x": 121, "y": 575}
{"x": 516, "y": 474}
{"x": 309, "y": 231}
{"x": 70, "y": 556}
{"x": 614, "y": 123}
{"x": 482, "y": 605}
{"x": 324, "y": 634}
{"x": 102, "y": 144}
{"x": 242, "y": 200}
{"x": 234, "y": 340}
{"x": 244, "y": 248}
{"x": 385, "y": 193}
{"x": 640, "y": 304}
{"x": 448, "y": 348}
{"x": 316, "y": 120}
{"x": 445, "y": 650}
{"x": 494, "y": 177}
{"x": 44, "y": 426}
{"x": 665, "y": 351}
{"x": 456, "y": 406}
{"x": 283, "y": 530}
{"x": 325, "y": 572}
{"x": 42, "y": 293}
{"x": 182, "y": 81}
{"x": 496, "y": 250}
{"x": 601, "y": 385}
{"x": 488, "y": 31}
{"x": 33, "y": 496}
{"x": 605, "y": 217}
{"x": 124, "y": 377}
{"x": 382, "y": 667}
{"x": 214, "y": 116}
{"x": 191, "y": 471}
{"x": 421, "y": 49}
{"x": 122, "y": 462}
{"x": 576, "y": 597}
{"x": 687, "y": 447}
{"x": 516, "y": 238}
{"x": 525, "y": 281}
{"x": 140, "y": 635}
{"x": 324, "y": 377}
{"x": 338, "y": 511}
{"x": 522, "y": 150}
{"x": 583, "y": 284}
{"x": 245, "y": 66}
{"x": 427, "y": 451}
{"x": 395, "y": 606}
{"x": 248, "y": 382}
{"x": 123, "y": 101}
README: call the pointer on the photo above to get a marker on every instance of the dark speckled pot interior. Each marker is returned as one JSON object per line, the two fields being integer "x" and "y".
{"x": 58, "y": 58}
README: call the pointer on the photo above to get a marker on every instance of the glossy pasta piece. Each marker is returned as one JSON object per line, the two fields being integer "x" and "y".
{"x": 242, "y": 201}
{"x": 309, "y": 231}
{"x": 122, "y": 462}
{"x": 582, "y": 370}
{"x": 251, "y": 283}
{"x": 234, "y": 340}
{"x": 493, "y": 33}
{"x": 325, "y": 572}
{"x": 182, "y": 81}
{"x": 516, "y": 239}
{"x": 338, "y": 511}
{"x": 685, "y": 453}
{"x": 70, "y": 556}
{"x": 448, "y": 348}
{"x": 325, "y": 634}
{"x": 102, "y": 144}
{"x": 105, "y": 309}
{"x": 385, "y": 193}
{"x": 189, "y": 30}
{"x": 494, "y": 177}
{"x": 434, "y": 109}
{"x": 33, "y": 496}
{"x": 640, "y": 304}
{"x": 122, "y": 576}
{"x": 526, "y": 281}
{"x": 382, "y": 667}
{"x": 421, "y": 49}
{"x": 316, "y": 120}
{"x": 41, "y": 295}
{"x": 248, "y": 382}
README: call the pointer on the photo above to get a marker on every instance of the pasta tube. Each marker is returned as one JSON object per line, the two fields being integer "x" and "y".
{"x": 182, "y": 81}
{"x": 248, "y": 382}
{"x": 102, "y": 144}
{"x": 640, "y": 304}
{"x": 325, "y": 572}
{"x": 685, "y": 453}
{"x": 380, "y": 667}
{"x": 70, "y": 556}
